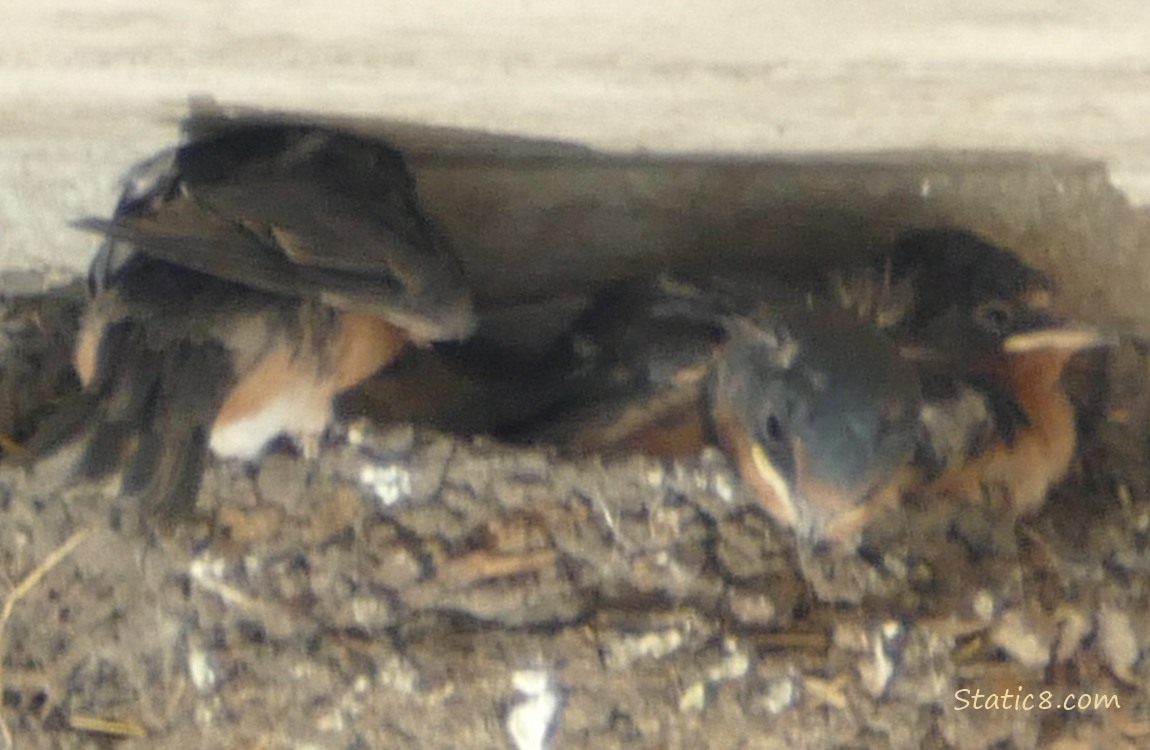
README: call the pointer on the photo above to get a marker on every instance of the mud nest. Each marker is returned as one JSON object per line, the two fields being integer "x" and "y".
{"x": 412, "y": 589}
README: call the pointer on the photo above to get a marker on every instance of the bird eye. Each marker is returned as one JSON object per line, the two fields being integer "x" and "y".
{"x": 995, "y": 316}
{"x": 774, "y": 429}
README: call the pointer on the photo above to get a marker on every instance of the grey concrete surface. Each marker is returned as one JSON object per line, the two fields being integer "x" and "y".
{"x": 87, "y": 88}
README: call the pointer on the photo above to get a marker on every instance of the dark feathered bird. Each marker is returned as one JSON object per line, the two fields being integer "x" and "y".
{"x": 247, "y": 278}
{"x": 991, "y": 350}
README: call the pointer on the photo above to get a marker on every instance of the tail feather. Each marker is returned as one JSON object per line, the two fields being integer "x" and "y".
{"x": 166, "y": 467}
{"x": 147, "y": 412}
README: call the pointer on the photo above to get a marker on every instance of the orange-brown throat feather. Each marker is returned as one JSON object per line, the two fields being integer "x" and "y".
{"x": 1042, "y": 452}
{"x": 366, "y": 343}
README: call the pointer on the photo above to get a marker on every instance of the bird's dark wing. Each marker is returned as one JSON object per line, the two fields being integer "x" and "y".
{"x": 634, "y": 367}
{"x": 302, "y": 210}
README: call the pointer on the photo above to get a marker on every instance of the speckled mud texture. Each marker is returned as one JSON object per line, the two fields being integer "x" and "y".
{"x": 414, "y": 590}
{"x": 410, "y": 590}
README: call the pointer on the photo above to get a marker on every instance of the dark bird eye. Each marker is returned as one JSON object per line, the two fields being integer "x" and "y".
{"x": 774, "y": 429}
{"x": 995, "y": 316}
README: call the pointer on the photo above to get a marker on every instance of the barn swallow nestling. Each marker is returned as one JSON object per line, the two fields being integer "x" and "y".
{"x": 991, "y": 354}
{"x": 818, "y": 411}
{"x": 634, "y": 364}
{"x": 246, "y": 278}
{"x": 821, "y": 416}
{"x": 947, "y": 326}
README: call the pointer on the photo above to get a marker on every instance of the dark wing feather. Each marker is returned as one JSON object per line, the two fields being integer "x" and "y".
{"x": 635, "y": 361}
{"x": 301, "y": 210}
{"x": 196, "y": 241}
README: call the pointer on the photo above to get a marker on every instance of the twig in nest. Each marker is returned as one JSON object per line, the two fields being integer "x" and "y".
{"x": 109, "y": 727}
{"x": 21, "y": 590}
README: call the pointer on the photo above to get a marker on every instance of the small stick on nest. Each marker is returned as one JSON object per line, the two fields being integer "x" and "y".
{"x": 21, "y": 590}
